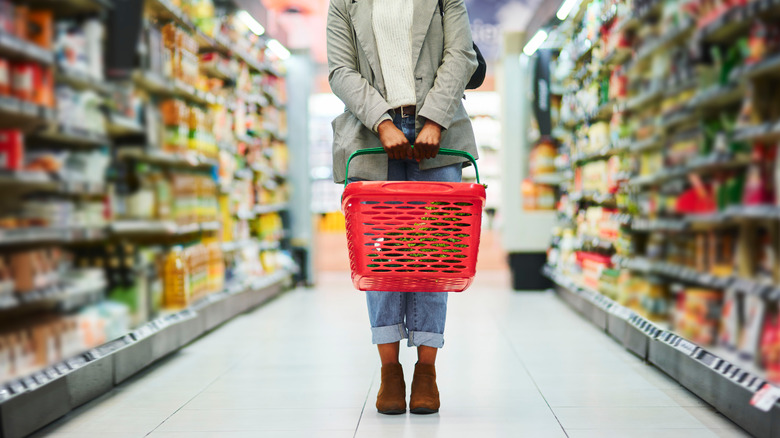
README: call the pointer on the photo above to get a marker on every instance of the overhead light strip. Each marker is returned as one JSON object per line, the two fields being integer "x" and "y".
{"x": 251, "y": 23}
{"x": 565, "y": 9}
{"x": 535, "y": 42}
{"x": 278, "y": 49}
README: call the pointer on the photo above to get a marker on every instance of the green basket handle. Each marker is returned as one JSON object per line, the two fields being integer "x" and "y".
{"x": 445, "y": 151}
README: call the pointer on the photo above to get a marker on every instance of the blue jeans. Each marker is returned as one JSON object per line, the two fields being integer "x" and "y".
{"x": 418, "y": 316}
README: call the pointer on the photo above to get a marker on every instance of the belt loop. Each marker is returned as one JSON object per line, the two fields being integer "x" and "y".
{"x": 403, "y": 116}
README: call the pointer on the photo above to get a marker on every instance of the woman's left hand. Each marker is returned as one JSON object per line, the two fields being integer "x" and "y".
{"x": 427, "y": 143}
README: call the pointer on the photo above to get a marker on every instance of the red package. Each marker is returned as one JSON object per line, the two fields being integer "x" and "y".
{"x": 23, "y": 74}
{"x": 11, "y": 150}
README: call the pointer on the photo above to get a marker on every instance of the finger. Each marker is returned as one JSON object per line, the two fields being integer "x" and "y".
{"x": 418, "y": 153}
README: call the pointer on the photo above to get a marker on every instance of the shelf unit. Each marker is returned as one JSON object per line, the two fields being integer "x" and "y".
{"x": 247, "y": 165}
{"x": 656, "y": 141}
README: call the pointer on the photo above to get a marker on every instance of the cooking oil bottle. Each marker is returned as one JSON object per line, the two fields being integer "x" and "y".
{"x": 178, "y": 291}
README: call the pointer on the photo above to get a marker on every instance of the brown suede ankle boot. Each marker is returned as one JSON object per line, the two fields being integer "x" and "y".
{"x": 425, "y": 393}
{"x": 392, "y": 393}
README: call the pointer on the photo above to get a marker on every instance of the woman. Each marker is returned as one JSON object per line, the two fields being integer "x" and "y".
{"x": 400, "y": 67}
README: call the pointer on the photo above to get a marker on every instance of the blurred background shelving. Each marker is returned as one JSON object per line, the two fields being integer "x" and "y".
{"x": 127, "y": 166}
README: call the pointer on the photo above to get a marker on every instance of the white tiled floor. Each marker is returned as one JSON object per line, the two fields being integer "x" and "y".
{"x": 515, "y": 364}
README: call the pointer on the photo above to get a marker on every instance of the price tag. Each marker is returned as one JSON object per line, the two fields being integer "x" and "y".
{"x": 5, "y": 393}
{"x": 41, "y": 378}
{"x": 142, "y": 332}
{"x": 16, "y": 387}
{"x": 29, "y": 382}
{"x": 765, "y": 398}
{"x": 686, "y": 347}
{"x": 621, "y": 312}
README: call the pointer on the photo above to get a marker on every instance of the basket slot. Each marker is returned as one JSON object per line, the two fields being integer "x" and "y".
{"x": 394, "y": 202}
{"x": 369, "y": 202}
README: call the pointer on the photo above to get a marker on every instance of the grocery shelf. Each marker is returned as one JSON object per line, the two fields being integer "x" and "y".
{"x": 618, "y": 57}
{"x": 717, "y": 96}
{"x": 654, "y": 94}
{"x": 157, "y": 84}
{"x": 121, "y": 126}
{"x": 73, "y": 7}
{"x": 596, "y": 197}
{"x": 552, "y": 179}
{"x": 81, "y": 81}
{"x": 648, "y": 144}
{"x": 771, "y": 65}
{"x": 702, "y": 279}
{"x": 41, "y": 235}
{"x": 702, "y": 165}
{"x": 66, "y": 295}
{"x": 604, "y": 153}
{"x": 217, "y": 72}
{"x": 44, "y": 182}
{"x": 727, "y": 384}
{"x": 261, "y": 245}
{"x": 680, "y": 117}
{"x": 166, "y": 158}
{"x": 15, "y": 48}
{"x": 65, "y": 135}
{"x": 649, "y": 49}
{"x": 769, "y": 131}
{"x": 159, "y": 227}
{"x": 15, "y": 113}
{"x": 29, "y": 403}
{"x": 270, "y": 208}
{"x": 736, "y": 21}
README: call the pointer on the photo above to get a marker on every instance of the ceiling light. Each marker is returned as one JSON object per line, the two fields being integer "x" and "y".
{"x": 251, "y": 23}
{"x": 535, "y": 42}
{"x": 565, "y": 9}
{"x": 278, "y": 49}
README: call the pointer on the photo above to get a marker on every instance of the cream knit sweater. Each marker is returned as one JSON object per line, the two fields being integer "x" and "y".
{"x": 392, "y": 22}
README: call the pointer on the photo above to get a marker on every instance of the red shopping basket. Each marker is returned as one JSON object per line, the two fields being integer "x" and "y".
{"x": 413, "y": 236}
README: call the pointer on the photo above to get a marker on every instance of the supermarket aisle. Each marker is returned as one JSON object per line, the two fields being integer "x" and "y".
{"x": 514, "y": 365}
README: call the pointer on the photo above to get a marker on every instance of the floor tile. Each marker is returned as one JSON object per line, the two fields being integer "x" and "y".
{"x": 212, "y": 420}
{"x": 627, "y": 418}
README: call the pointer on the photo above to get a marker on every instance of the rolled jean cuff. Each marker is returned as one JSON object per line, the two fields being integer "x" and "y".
{"x": 388, "y": 334}
{"x": 425, "y": 339}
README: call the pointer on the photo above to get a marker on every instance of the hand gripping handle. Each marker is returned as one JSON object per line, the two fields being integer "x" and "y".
{"x": 373, "y": 151}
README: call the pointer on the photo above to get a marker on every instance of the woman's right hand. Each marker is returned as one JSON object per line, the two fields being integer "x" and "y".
{"x": 394, "y": 141}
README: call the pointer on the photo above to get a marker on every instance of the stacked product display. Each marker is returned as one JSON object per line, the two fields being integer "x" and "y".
{"x": 665, "y": 167}
{"x": 130, "y": 194}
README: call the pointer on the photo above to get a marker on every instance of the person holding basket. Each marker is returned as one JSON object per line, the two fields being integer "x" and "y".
{"x": 401, "y": 68}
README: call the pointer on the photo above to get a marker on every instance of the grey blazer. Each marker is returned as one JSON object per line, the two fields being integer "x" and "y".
{"x": 444, "y": 60}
